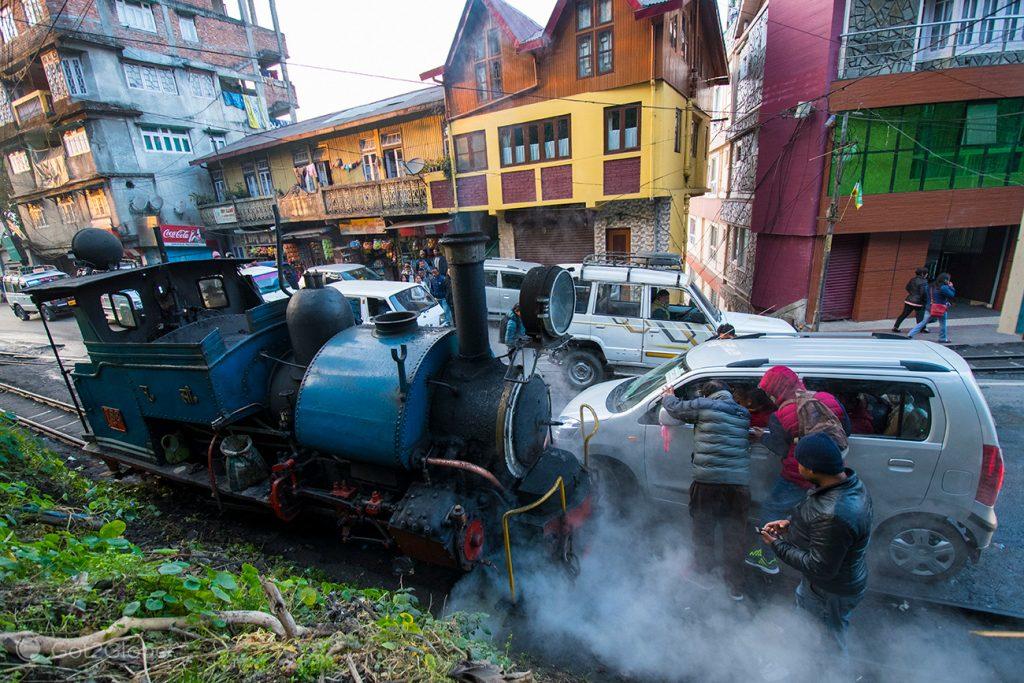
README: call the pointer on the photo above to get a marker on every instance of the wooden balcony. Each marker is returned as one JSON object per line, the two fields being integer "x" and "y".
{"x": 238, "y": 213}
{"x": 394, "y": 197}
{"x": 299, "y": 205}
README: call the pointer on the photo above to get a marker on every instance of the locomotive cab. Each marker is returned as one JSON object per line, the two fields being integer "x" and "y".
{"x": 418, "y": 438}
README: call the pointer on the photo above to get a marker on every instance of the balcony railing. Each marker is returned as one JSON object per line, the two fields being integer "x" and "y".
{"x": 302, "y": 205}
{"x": 238, "y": 212}
{"x": 913, "y": 47}
{"x": 37, "y": 104}
{"x": 379, "y": 198}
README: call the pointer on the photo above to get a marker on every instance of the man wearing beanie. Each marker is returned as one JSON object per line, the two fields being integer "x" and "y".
{"x": 826, "y": 539}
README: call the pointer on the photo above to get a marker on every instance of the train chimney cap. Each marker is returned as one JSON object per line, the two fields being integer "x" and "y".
{"x": 396, "y": 322}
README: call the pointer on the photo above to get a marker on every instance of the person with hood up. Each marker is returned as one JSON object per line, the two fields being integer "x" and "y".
{"x": 514, "y": 328}
{"x": 798, "y": 413}
{"x": 720, "y": 491}
{"x": 917, "y": 299}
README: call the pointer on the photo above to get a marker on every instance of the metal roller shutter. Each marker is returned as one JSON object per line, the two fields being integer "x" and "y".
{"x": 841, "y": 280}
{"x": 560, "y": 236}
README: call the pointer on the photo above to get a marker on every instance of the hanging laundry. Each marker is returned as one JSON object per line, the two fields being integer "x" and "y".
{"x": 233, "y": 99}
{"x": 254, "y": 112}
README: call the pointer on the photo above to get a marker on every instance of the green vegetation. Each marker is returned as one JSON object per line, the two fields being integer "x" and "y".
{"x": 86, "y": 573}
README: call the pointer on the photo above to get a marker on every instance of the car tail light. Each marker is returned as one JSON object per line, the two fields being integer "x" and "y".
{"x": 992, "y": 472}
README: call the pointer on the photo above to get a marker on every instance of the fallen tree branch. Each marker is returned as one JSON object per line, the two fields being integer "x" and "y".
{"x": 24, "y": 644}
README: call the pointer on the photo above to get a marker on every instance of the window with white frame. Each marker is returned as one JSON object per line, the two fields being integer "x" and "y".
{"x": 68, "y": 208}
{"x": 369, "y": 149}
{"x": 739, "y": 246}
{"x": 76, "y": 142}
{"x": 712, "y": 235}
{"x": 970, "y": 27}
{"x": 18, "y": 162}
{"x": 6, "y": 112}
{"x": 154, "y": 78}
{"x": 137, "y": 15}
{"x": 187, "y": 24}
{"x": 218, "y": 142}
{"x": 220, "y": 187}
{"x": 713, "y": 174}
{"x": 33, "y": 11}
{"x": 167, "y": 140}
{"x": 74, "y": 75}
{"x": 300, "y": 156}
{"x": 97, "y": 201}
{"x": 54, "y": 75}
{"x": 8, "y": 29}
{"x": 36, "y": 214}
{"x": 693, "y": 233}
{"x": 201, "y": 84}
{"x": 257, "y": 178}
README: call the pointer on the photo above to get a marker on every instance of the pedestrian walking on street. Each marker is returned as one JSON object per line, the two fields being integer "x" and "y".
{"x": 916, "y": 300}
{"x": 941, "y": 298}
{"x": 826, "y": 539}
{"x": 720, "y": 492}
{"x": 439, "y": 286}
{"x": 514, "y": 328}
{"x": 798, "y": 413}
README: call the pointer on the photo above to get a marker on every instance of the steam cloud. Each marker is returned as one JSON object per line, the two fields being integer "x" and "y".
{"x": 636, "y": 610}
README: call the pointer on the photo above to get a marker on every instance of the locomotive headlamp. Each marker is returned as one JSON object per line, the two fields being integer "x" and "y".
{"x": 547, "y": 302}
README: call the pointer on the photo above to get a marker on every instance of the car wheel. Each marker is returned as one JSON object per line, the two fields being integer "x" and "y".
{"x": 48, "y": 315}
{"x": 921, "y": 548}
{"x": 583, "y": 368}
{"x": 616, "y": 484}
{"x": 20, "y": 312}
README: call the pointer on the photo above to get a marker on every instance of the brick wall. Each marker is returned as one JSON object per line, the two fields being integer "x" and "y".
{"x": 556, "y": 182}
{"x": 441, "y": 194}
{"x": 518, "y": 186}
{"x": 472, "y": 191}
{"x": 622, "y": 176}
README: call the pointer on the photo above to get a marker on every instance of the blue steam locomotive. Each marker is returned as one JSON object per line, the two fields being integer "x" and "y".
{"x": 418, "y": 438}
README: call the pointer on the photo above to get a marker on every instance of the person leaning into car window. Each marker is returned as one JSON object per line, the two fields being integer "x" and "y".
{"x": 724, "y": 331}
{"x": 659, "y": 305}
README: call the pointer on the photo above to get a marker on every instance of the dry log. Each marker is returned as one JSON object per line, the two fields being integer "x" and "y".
{"x": 280, "y": 610}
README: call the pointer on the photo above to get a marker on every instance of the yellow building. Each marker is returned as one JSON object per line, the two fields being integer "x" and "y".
{"x": 349, "y": 185}
{"x": 584, "y": 135}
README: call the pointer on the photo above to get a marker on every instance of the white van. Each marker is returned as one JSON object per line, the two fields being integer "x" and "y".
{"x": 15, "y": 283}
{"x": 502, "y": 279}
{"x": 336, "y": 272}
{"x": 370, "y": 298}
{"x": 923, "y": 439}
{"x": 618, "y": 327}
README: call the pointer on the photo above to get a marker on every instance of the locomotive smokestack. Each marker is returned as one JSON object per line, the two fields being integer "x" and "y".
{"x": 465, "y": 254}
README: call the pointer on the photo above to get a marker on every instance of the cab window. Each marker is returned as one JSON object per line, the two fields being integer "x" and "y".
{"x": 675, "y": 304}
{"x": 375, "y": 307}
{"x": 511, "y": 280}
{"x": 618, "y": 300}
{"x": 122, "y": 310}
{"x": 212, "y": 293}
{"x": 490, "y": 278}
{"x": 882, "y": 408}
{"x": 582, "y": 295}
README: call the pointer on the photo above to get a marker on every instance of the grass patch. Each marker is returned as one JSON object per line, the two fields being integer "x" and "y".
{"x": 68, "y": 580}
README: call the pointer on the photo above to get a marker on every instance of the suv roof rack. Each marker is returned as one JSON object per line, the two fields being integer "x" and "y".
{"x": 911, "y": 365}
{"x": 661, "y": 260}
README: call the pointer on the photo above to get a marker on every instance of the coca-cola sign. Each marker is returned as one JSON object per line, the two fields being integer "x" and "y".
{"x": 182, "y": 235}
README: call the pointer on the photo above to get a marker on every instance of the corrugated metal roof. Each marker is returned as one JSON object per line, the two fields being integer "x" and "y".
{"x": 327, "y": 122}
{"x": 522, "y": 27}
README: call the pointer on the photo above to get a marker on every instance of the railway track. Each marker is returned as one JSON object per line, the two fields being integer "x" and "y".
{"x": 996, "y": 363}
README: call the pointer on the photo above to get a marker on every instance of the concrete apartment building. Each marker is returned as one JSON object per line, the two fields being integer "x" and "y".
{"x": 931, "y": 93}
{"x": 104, "y": 103}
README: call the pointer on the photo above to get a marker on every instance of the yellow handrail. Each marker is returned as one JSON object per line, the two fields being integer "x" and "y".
{"x": 559, "y": 485}
{"x": 588, "y": 437}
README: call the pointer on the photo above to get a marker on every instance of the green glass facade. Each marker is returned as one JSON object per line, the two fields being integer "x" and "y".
{"x": 951, "y": 145}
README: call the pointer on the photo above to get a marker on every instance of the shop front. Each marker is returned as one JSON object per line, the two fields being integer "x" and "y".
{"x": 184, "y": 242}
{"x": 365, "y": 241}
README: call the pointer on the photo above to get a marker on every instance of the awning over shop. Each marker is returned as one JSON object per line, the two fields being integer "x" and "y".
{"x": 362, "y": 226}
{"x": 436, "y": 226}
{"x": 306, "y": 234}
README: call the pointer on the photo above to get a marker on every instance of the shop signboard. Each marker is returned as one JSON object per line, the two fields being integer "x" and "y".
{"x": 182, "y": 236}
{"x": 223, "y": 215}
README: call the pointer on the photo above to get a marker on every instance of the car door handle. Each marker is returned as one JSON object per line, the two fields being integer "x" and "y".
{"x": 600, "y": 327}
{"x": 901, "y": 464}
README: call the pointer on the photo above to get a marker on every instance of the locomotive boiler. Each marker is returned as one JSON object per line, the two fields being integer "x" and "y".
{"x": 419, "y": 439}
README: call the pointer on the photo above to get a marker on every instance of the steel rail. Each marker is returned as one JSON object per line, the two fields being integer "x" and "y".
{"x": 38, "y": 398}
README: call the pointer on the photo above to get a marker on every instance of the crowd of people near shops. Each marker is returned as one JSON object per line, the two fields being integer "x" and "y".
{"x": 817, "y": 515}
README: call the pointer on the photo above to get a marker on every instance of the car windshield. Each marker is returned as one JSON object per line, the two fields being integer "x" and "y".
{"x": 360, "y": 273}
{"x": 414, "y": 299}
{"x": 708, "y": 306}
{"x": 266, "y": 282}
{"x": 628, "y": 394}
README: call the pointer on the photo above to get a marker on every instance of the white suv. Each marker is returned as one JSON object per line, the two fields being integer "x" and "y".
{"x": 502, "y": 278}
{"x": 618, "y": 328}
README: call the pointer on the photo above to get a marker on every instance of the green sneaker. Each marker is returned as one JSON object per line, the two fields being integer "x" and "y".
{"x": 756, "y": 558}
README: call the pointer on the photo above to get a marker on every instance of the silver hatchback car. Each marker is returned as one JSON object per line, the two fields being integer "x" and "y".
{"x": 923, "y": 439}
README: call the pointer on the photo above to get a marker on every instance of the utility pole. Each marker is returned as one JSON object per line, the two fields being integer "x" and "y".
{"x": 831, "y": 216}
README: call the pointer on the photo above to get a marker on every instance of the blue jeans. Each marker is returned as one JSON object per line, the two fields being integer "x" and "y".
{"x": 784, "y": 496}
{"x": 943, "y": 331}
{"x": 447, "y": 311}
{"x": 833, "y": 610}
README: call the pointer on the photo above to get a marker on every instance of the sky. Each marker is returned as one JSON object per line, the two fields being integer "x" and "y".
{"x": 399, "y": 39}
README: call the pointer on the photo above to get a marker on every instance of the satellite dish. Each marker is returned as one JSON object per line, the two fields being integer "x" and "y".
{"x": 415, "y": 165}
{"x": 155, "y": 204}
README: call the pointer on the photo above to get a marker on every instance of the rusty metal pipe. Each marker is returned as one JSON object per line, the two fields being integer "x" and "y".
{"x": 467, "y": 467}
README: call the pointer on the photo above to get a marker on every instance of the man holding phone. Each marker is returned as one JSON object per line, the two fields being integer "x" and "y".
{"x": 826, "y": 539}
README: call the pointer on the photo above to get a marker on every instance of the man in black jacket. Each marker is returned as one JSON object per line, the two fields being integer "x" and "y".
{"x": 916, "y": 300}
{"x": 827, "y": 538}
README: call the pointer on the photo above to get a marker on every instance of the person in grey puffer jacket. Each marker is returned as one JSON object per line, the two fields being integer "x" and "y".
{"x": 719, "y": 493}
